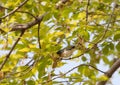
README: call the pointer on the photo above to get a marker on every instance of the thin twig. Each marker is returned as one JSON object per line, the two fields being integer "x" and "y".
{"x": 29, "y": 62}
{"x": 116, "y": 65}
{"x": 8, "y": 55}
{"x": 29, "y": 67}
{"x": 39, "y": 35}
{"x": 27, "y": 13}
{"x": 72, "y": 70}
{"x": 17, "y": 8}
{"x": 29, "y": 24}
{"x": 26, "y": 69}
{"x": 88, "y": 3}
{"x": 103, "y": 36}
{"x": 70, "y": 58}
{"x": 20, "y": 11}
{"x": 107, "y": 27}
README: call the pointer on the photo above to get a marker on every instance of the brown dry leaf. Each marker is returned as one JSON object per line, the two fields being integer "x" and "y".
{"x": 2, "y": 75}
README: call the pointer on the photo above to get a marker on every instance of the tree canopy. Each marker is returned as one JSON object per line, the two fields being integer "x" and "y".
{"x": 33, "y": 33}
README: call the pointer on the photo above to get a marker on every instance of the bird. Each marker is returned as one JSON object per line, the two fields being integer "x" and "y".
{"x": 63, "y": 53}
{"x": 66, "y": 52}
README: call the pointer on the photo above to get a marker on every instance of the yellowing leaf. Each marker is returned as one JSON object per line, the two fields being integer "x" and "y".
{"x": 13, "y": 19}
{"x": 20, "y": 68}
{"x": 7, "y": 29}
{"x": 59, "y": 33}
{"x": 82, "y": 15}
{"x": 24, "y": 50}
{"x": 32, "y": 46}
{"x": 1, "y": 75}
{"x": 17, "y": 2}
{"x": 103, "y": 77}
{"x": 95, "y": 16}
{"x": 67, "y": 34}
{"x": 34, "y": 70}
{"x": 67, "y": 20}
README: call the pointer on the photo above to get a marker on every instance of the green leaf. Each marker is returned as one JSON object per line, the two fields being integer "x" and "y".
{"x": 105, "y": 59}
{"x": 117, "y": 36}
{"x": 111, "y": 46}
{"x": 31, "y": 82}
{"x": 118, "y": 46}
{"x": 105, "y": 50}
{"x": 103, "y": 78}
{"x": 89, "y": 27}
{"x": 107, "y": 1}
{"x": 41, "y": 70}
{"x": 84, "y": 58}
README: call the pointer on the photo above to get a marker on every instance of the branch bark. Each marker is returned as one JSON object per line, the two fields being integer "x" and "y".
{"x": 27, "y": 25}
{"x": 22, "y": 28}
{"x": 13, "y": 11}
{"x": 8, "y": 55}
{"x": 110, "y": 72}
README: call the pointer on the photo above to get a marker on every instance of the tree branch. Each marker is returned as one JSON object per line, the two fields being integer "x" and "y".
{"x": 72, "y": 70}
{"x": 19, "y": 11}
{"x": 88, "y": 3}
{"x": 22, "y": 28}
{"x": 110, "y": 72}
{"x": 8, "y": 55}
{"x": 13, "y": 11}
{"x": 27, "y": 25}
{"x": 39, "y": 35}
